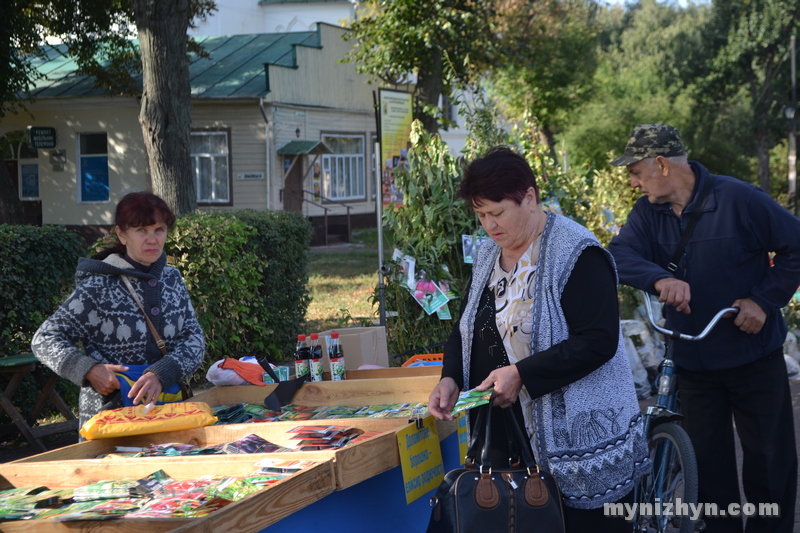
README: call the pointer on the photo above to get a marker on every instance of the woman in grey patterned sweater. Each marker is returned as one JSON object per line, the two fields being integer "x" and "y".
{"x": 100, "y": 330}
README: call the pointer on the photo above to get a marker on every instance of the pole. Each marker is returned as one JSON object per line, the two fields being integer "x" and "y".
{"x": 378, "y": 206}
{"x": 793, "y": 134}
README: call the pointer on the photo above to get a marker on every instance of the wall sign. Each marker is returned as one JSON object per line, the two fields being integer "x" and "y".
{"x": 42, "y": 137}
{"x": 250, "y": 176}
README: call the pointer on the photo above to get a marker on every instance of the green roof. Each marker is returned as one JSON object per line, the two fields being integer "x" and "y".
{"x": 236, "y": 66}
{"x": 304, "y": 147}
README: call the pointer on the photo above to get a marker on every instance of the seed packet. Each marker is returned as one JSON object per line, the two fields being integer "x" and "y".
{"x": 12, "y": 514}
{"x": 151, "y": 485}
{"x": 251, "y": 444}
{"x": 207, "y": 508}
{"x": 237, "y": 490}
{"x": 271, "y": 465}
{"x": 104, "y": 490}
{"x": 264, "y": 480}
{"x": 471, "y": 399}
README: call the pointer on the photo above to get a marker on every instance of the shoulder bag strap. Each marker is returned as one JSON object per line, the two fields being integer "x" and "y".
{"x": 159, "y": 341}
{"x": 697, "y": 212}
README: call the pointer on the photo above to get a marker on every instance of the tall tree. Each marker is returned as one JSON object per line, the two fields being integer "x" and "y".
{"x": 648, "y": 62}
{"x": 751, "y": 39}
{"x": 165, "y": 115}
{"x": 547, "y": 58}
{"x": 98, "y": 34}
{"x": 395, "y": 38}
{"x": 18, "y": 37}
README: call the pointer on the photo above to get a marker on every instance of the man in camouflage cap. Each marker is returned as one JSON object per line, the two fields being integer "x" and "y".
{"x": 650, "y": 140}
{"x": 737, "y": 373}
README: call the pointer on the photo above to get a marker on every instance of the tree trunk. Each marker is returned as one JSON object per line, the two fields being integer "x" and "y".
{"x": 429, "y": 88}
{"x": 11, "y": 211}
{"x": 165, "y": 115}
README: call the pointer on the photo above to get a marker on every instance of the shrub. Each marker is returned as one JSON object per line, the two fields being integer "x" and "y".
{"x": 282, "y": 242}
{"x": 428, "y": 226}
{"x": 37, "y": 271}
{"x": 212, "y": 251}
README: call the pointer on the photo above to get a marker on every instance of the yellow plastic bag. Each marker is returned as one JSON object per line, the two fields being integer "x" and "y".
{"x": 128, "y": 421}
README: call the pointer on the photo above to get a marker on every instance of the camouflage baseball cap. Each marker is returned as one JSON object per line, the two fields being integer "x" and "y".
{"x": 650, "y": 140}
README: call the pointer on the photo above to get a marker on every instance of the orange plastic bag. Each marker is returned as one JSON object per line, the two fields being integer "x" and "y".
{"x": 128, "y": 421}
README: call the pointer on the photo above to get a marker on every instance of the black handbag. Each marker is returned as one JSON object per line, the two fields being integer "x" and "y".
{"x": 479, "y": 498}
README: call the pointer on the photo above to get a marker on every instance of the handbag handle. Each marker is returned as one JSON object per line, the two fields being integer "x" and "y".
{"x": 516, "y": 439}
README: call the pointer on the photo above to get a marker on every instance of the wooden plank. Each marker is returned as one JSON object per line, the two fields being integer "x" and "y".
{"x": 276, "y": 432}
{"x": 252, "y": 513}
{"x": 142, "y": 525}
{"x": 413, "y": 388}
{"x": 391, "y": 373}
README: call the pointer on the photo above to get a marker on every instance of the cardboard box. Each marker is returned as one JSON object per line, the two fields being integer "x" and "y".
{"x": 361, "y": 346}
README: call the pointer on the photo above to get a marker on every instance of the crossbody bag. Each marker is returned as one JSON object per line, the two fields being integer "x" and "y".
{"x": 186, "y": 389}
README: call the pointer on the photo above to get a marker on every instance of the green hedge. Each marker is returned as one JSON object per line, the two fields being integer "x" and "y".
{"x": 247, "y": 276}
{"x": 282, "y": 241}
{"x": 37, "y": 271}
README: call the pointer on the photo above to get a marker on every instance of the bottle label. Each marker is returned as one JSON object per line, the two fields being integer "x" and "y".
{"x": 316, "y": 370}
{"x": 337, "y": 369}
{"x": 301, "y": 368}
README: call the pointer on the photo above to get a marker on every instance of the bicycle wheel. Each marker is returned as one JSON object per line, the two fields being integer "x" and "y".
{"x": 666, "y": 496}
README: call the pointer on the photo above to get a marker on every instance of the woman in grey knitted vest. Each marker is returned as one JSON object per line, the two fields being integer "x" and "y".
{"x": 540, "y": 323}
{"x": 100, "y": 329}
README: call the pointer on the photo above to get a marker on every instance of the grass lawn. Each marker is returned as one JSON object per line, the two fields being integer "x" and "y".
{"x": 341, "y": 284}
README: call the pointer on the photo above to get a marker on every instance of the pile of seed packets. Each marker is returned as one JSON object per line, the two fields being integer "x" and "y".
{"x": 156, "y": 496}
{"x": 238, "y": 413}
{"x": 249, "y": 444}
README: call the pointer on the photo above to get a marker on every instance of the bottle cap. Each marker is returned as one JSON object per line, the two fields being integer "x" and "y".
{"x": 314, "y": 336}
{"x": 335, "y": 335}
{"x": 301, "y": 337}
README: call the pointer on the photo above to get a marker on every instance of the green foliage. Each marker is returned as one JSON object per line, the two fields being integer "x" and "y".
{"x": 549, "y": 51}
{"x": 37, "y": 268}
{"x": 646, "y": 66}
{"x": 398, "y": 37}
{"x": 212, "y": 251}
{"x": 428, "y": 226}
{"x": 281, "y": 242}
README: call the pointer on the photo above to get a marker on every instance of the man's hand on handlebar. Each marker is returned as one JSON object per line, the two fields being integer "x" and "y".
{"x": 674, "y": 292}
{"x": 751, "y": 317}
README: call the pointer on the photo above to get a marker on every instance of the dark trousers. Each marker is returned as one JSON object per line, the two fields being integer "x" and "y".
{"x": 595, "y": 520}
{"x": 757, "y": 399}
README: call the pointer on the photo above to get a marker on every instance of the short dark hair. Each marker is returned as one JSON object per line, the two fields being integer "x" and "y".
{"x": 135, "y": 210}
{"x": 138, "y": 209}
{"x": 500, "y": 174}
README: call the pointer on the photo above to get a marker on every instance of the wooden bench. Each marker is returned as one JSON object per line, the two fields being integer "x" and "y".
{"x": 18, "y": 366}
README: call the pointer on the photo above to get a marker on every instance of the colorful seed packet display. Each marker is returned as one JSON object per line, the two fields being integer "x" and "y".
{"x": 154, "y": 496}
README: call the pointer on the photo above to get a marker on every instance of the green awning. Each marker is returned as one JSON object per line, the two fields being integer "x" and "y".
{"x": 304, "y": 148}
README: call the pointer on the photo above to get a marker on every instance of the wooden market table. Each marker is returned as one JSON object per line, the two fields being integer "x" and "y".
{"x": 355, "y": 488}
{"x": 18, "y": 366}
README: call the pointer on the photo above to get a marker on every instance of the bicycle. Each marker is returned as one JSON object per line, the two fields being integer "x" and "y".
{"x": 673, "y": 479}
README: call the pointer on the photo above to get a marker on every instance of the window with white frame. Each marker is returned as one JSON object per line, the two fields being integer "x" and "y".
{"x": 93, "y": 167}
{"x": 210, "y": 166}
{"x": 343, "y": 172}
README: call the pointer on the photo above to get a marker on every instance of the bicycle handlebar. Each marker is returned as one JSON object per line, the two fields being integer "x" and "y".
{"x": 678, "y": 335}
